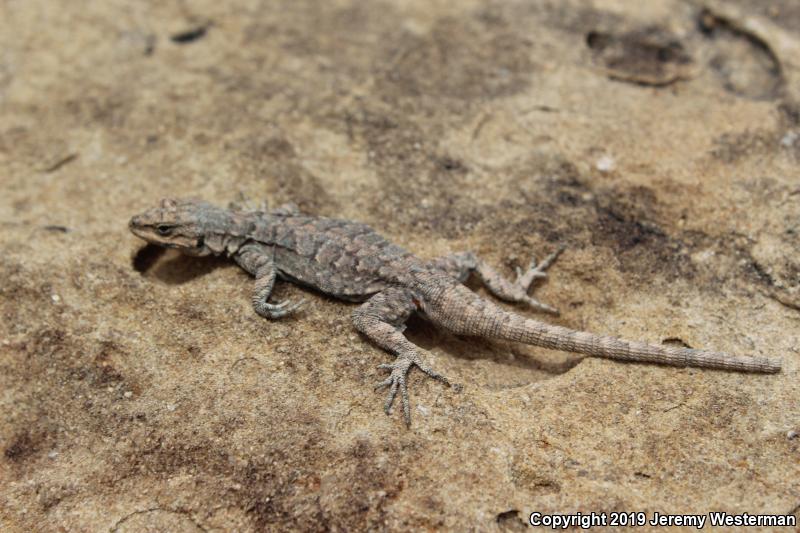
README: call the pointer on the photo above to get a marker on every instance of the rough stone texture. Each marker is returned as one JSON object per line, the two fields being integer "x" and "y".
{"x": 659, "y": 141}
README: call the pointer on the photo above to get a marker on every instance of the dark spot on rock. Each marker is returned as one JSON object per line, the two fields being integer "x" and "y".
{"x": 49, "y": 496}
{"x": 101, "y": 375}
{"x": 790, "y": 111}
{"x": 548, "y": 485}
{"x": 278, "y": 147}
{"x": 275, "y": 160}
{"x": 189, "y": 35}
{"x": 624, "y": 222}
{"x": 418, "y": 188}
{"x": 451, "y": 165}
{"x": 732, "y": 147}
{"x": 461, "y": 59}
{"x": 505, "y": 515}
{"x": 104, "y": 375}
{"x": 146, "y": 257}
{"x": 511, "y": 521}
{"x": 21, "y": 446}
{"x": 563, "y": 207}
{"x": 57, "y": 164}
{"x": 110, "y": 110}
{"x": 744, "y": 62}
{"x": 650, "y": 56}
{"x": 194, "y": 351}
{"x": 761, "y": 273}
{"x": 56, "y": 228}
{"x": 706, "y": 22}
{"x": 597, "y": 40}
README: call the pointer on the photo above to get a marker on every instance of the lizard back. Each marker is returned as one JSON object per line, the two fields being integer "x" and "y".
{"x": 345, "y": 259}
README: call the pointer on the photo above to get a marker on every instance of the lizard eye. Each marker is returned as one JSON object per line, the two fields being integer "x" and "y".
{"x": 163, "y": 229}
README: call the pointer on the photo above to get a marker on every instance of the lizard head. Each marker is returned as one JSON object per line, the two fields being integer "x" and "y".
{"x": 180, "y": 224}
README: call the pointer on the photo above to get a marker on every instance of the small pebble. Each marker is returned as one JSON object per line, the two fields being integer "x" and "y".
{"x": 790, "y": 138}
{"x": 605, "y": 164}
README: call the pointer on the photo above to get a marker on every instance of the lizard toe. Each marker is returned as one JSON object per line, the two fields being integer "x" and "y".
{"x": 280, "y": 309}
{"x": 406, "y": 402}
{"x": 387, "y": 407}
{"x": 385, "y": 383}
{"x": 536, "y": 304}
{"x": 397, "y": 381}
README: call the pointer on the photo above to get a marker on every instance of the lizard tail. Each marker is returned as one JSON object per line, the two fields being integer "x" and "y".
{"x": 462, "y": 311}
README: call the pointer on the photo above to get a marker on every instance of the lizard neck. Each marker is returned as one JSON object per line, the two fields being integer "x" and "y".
{"x": 238, "y": 228}
{"x": 230, "y": 233}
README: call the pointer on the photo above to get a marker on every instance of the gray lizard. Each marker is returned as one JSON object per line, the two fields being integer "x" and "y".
{"x": 350, "y": 261}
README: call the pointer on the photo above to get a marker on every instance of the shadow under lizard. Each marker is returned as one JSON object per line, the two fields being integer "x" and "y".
{"x": 350, "y": 261}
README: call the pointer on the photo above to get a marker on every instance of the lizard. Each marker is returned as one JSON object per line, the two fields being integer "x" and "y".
{"x": 350, "y": 261}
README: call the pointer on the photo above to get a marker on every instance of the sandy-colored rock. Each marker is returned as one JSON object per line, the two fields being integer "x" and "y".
{"x": 659, "y": 141}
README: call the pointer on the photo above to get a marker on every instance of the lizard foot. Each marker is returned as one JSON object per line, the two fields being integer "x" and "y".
{"x": 397, "y": 380}
{"x": 536, "y": 271}
{"x": 279, "y": 310}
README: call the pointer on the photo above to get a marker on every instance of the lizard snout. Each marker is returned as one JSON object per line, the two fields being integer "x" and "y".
{"x": 136, "y": 224}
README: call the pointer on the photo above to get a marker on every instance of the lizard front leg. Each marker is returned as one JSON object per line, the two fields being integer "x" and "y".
{"x": 381, "y": 318}
{"x": 461, "y": 265}
{"x": 259, "y": 260}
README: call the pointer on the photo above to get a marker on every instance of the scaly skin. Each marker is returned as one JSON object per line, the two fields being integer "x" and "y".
{"x": 348, "y": 260}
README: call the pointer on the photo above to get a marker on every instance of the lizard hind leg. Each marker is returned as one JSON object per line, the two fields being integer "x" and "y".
{"x": 460, "y": 265}
{"x": 381, "y": 318}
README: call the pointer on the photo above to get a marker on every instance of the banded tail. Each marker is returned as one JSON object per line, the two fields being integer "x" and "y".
{"x": 460, "y": 310}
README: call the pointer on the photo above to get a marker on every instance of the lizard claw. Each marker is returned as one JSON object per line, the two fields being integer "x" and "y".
{"x": 397, "y": 381}
{"x": 525, "y": 279}
{"x": 536, "y": 304}
{"x": 280, "y": 309}
{"x": 534, "y": 271}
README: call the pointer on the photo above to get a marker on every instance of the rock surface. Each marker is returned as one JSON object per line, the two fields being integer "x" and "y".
{"x": 659, "y": 141}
